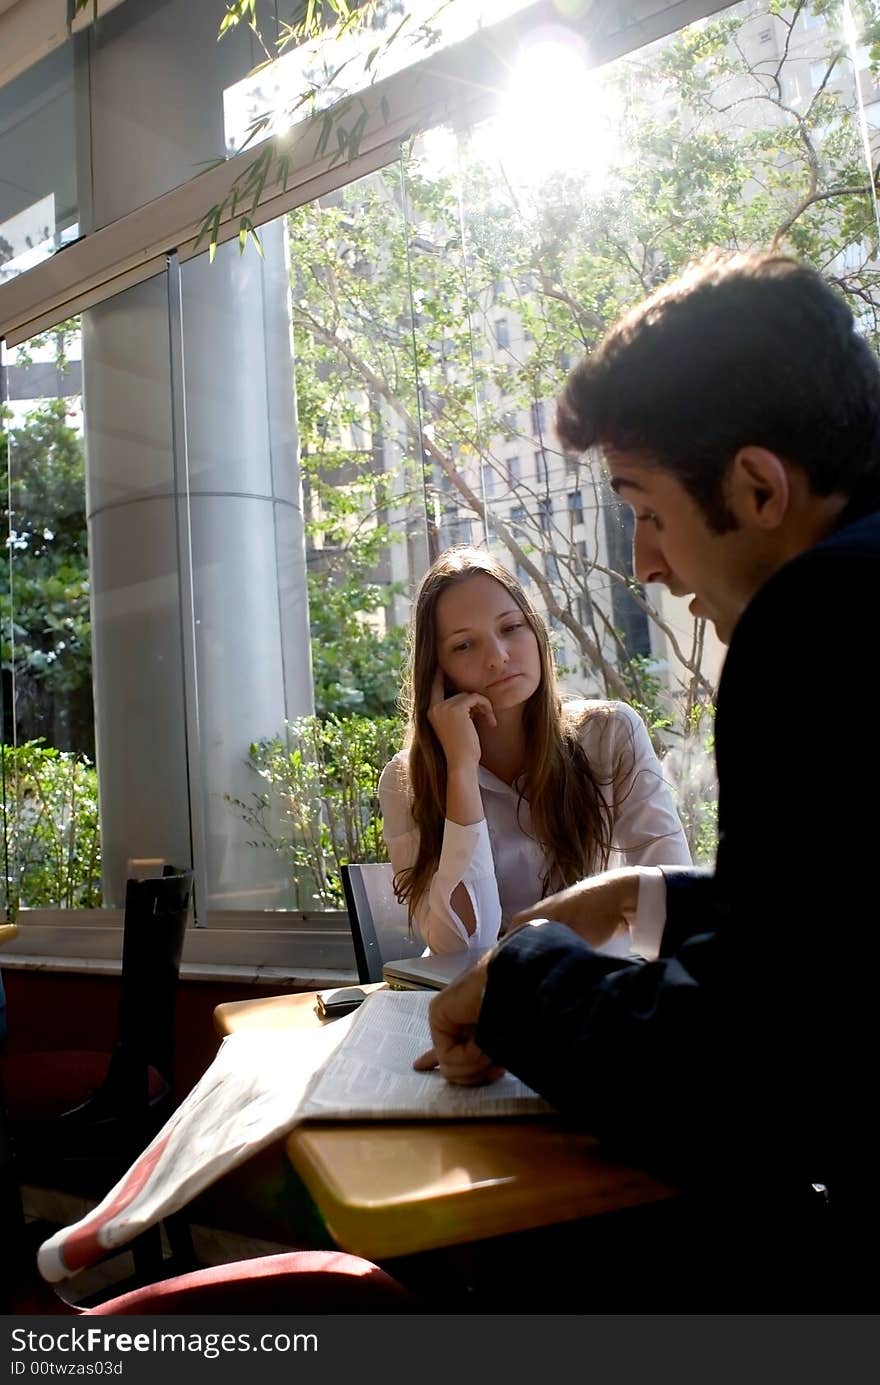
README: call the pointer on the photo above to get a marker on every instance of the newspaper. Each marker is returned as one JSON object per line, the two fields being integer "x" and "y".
{"x": 261, "y": 1085}
{"x": 370, "y": 1075}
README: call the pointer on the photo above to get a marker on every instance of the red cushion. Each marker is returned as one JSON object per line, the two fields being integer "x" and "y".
{"x": 42, "y": 1084}
{"x": 302, "y": 1281}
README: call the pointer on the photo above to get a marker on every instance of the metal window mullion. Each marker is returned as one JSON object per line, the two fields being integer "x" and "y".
{"x": 186, "y": 594}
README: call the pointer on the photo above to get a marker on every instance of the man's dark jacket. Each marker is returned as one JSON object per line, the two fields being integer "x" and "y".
{"x": 745, "y": 1058}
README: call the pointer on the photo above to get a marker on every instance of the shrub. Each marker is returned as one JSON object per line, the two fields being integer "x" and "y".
{"x": 51, "y": 837}
{"x": 319, "y": 807}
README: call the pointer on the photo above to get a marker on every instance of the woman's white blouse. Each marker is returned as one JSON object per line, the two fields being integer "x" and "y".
{"x": 498, "y": 860}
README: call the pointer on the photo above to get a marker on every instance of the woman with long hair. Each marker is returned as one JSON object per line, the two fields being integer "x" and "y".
{"x": 504, "y": 794}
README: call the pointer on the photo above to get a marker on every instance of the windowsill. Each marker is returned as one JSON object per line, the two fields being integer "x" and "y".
{"x": 302, "y": 979}
{"x": 309, "y": 950}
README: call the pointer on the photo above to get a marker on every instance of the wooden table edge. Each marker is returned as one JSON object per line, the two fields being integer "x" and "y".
{"x": 381, "y": 1232}
{"x": 276, "y": 1011}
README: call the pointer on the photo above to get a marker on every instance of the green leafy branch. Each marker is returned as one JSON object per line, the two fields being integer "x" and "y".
{"x": 343, "y": 123}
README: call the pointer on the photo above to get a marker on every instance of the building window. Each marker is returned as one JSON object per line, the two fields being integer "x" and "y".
{"x": 538, "y": 413}
{"x": 818, "y": 73}
{"x": 575, "y": 508}
{"x": 457, "y": 531}
{"x": 513, "y": 469}
{"x": 502, "y": 333}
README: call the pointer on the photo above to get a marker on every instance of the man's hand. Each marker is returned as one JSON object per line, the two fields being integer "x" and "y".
{"x": 596, "y": 909}
{"x": 453, "y": 1016}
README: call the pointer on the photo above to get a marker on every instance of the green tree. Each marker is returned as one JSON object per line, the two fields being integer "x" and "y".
{"x": 44, "y": 610}
{"x": 355, "y": 668}
{"x": 407, "y": 387}
{"x": 408, "y": 393}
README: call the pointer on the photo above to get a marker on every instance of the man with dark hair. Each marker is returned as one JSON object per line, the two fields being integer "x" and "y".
{"x": 738, "y": 411}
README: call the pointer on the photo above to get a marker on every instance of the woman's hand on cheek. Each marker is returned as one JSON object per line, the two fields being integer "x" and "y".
{"x": 452, "y": 719}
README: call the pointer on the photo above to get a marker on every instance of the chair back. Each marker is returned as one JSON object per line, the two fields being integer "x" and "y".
{"x": 379, "y": 923}
{"x": 156, "y": 913}
{"x": 11, "y": 1214}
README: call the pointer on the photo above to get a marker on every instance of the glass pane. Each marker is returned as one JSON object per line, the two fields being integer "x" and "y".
{"x": 49, "y": 777}
{"x": 92, "y": 600}
{"x": 38, "y": 164}
{"x": 271, "y": 100}
{"x": 292, "y": 511}
{"x": 525, "y": 238}
{"x": 86, "y": 116}
{"x": 586, "y": 190}
{"x": 139, "y": 146}
{"x": 380, "y": 385}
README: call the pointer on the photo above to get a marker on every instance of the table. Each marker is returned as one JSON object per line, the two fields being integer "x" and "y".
{"x": 280, "y": 1012}
{"x": 387, "y": 1189}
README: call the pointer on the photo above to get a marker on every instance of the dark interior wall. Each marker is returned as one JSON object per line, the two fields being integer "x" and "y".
{"x": 49, "y": 1010}
{"x": 262, "y": 1198}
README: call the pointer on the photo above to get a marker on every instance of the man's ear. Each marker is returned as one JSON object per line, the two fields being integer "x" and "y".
{"x": 759, "y": 488}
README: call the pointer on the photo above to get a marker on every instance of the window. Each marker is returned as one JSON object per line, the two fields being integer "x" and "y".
{"x": 396, "y": 404}
{"x": 517, "y": 521}
{"x": 457, "y": 531}
{"x": 49, "y": 724}
{"x": 39, "y": 200}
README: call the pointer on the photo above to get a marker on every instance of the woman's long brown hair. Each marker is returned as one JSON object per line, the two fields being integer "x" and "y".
{"x": 570, "y": 819}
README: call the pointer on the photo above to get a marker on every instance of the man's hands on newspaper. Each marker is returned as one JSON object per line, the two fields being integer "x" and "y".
{"x": 453, "y": 1016}
{"x": 596, "y": 909}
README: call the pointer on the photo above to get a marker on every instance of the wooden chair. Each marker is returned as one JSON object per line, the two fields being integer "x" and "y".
{"x": 298, "y": 1281}
{"x": 79, "y": 1118}
{"x": 380, "y": 928}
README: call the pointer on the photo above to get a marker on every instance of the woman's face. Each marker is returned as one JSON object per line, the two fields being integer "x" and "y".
{"x": 485, "y": 644}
